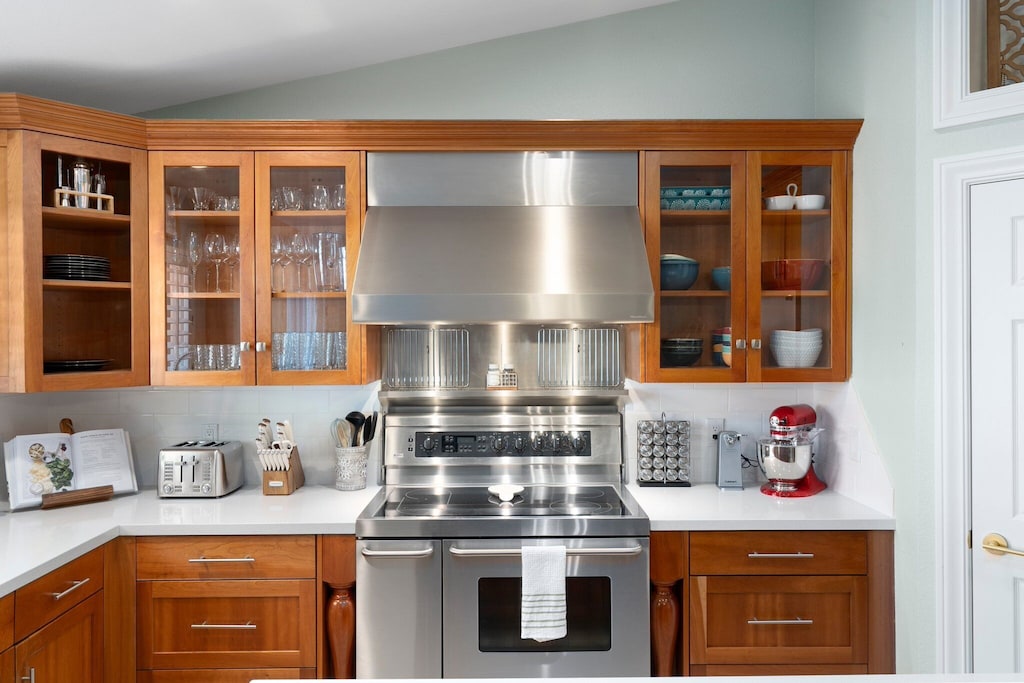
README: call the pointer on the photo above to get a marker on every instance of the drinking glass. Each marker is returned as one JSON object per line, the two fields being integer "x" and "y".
{"x": 217, "y": 251}
{"x": 175, "y": 193}
{"x": 303, "y": 253}
{"x": 279, "y": 258}
{"x": 326, "y": 267}
{"x": 195, "y": 256}
{"x": 338, "y": 197}
{"x": 233, "y": 259}
{"x": 201, "y": 197}
{"x": 319, "y": 198}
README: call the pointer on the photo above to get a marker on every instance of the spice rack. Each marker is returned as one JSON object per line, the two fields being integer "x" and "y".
{"x": 663, "y": 452}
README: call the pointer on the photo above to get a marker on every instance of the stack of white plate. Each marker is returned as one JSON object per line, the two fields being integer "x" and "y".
{"x": 796, "y": 348}
{"x": 75, "y": 267}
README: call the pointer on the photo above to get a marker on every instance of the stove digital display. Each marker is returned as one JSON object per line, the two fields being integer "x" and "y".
{"x": 493, "y": 444}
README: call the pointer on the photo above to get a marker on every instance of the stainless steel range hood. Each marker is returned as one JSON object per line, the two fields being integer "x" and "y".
{"x": 519, "y": 237}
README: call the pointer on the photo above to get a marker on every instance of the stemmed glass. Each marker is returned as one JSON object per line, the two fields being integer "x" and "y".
{"x": 233, "y": 259}
{"x": 195, "y": 256}
{"x": 217, "y": 251}
{"x": 302, "y": 255}
{"x": 279, "y": 259}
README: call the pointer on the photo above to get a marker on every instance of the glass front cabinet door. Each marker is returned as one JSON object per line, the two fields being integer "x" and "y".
{"x": 307, "y": 240}
{"x": 748, "y": 252}
{"x": 257, "y": 252}
{"x": 694, "y": 210}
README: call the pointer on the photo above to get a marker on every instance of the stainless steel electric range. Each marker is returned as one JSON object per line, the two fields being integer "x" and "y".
{"x": 468, "y": 484}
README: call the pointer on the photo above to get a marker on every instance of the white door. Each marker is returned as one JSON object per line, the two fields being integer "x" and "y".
{"x": 997, "y": 421}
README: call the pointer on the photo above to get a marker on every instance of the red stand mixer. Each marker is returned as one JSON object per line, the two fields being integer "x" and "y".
{"x": 786, "y": 456}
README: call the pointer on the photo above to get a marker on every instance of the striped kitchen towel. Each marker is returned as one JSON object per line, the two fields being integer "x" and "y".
{"x": 543, "y": 601}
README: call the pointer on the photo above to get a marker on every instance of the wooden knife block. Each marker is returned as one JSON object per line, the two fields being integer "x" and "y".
{"x": 285, "y": 482}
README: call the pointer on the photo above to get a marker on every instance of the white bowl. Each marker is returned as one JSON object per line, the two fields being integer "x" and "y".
{"x": 810, "y": 202}
{"x": 781, "y": 202}
{"x": 803, "y": 356}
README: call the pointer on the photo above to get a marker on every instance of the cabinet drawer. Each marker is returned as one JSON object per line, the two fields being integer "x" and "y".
{"x": 226, "y": 557}
{"x": 749, "y": 553}
{"x": 50, "y": 596}
{"x": 226, "y": 624}
{"x": 777, "y": 669}
{"x": 222, "y": 675}
{"x": 778, "y": 620}
{"x": 6, "y": 621}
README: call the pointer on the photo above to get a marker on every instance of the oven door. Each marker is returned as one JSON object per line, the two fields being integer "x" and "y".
{"x": 607, "y": 610}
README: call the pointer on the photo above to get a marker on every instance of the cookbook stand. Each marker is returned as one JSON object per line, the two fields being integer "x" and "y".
{"x": 282, "y": 482}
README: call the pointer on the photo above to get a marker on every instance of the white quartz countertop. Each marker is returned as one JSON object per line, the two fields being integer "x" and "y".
{"x": 34, "y": 542}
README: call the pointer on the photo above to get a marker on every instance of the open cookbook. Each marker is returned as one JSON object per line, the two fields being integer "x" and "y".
{"x": 38, "y": 464}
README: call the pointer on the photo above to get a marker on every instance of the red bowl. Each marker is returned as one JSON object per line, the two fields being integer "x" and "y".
{"x": 792, "y": 273}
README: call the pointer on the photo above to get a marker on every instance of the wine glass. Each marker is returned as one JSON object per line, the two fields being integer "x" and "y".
{"x": 195, "y": 256}
{"x": 302, "y": 254}
{"x": 279, "y": 259}
{"x": 217, "y": 251}
{"x": 233, "y": 259}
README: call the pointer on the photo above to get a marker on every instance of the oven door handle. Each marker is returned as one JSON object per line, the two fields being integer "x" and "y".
{"x": 507, "y": 552}
{"x": 426, "y": 552}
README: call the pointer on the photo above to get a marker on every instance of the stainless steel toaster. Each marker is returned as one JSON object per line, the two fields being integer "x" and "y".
{"x": 200, "y": 469}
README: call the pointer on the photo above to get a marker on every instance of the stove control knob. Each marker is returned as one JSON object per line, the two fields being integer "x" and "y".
{"x": 538, "y": 442}
{"x": 578, "y": 444}
{"x": 428, "y": 443}
{"x": 557, "y": 440}
{"x": 519, "y": 444}
{"x": 499, "y": 444}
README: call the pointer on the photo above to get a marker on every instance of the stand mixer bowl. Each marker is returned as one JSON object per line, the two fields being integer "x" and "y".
{"x": 784, "y": 461}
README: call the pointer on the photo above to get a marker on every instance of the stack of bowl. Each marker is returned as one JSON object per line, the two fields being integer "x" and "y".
{"x": 678, "y": 272}
{"x": 721, "y": 347}
{"x": 722, "y": 277}
{"x": 796, "y": 348}
{"x": 681, "y": 352}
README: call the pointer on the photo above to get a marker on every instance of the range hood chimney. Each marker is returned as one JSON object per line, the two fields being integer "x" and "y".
{"x": 502, "y": 237}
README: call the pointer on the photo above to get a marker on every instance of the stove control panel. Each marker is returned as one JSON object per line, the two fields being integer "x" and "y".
{"x": 492, "y": 444}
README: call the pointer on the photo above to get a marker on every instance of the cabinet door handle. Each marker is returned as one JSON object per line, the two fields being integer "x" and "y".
{"x": 222, "y": 559}
{"x": 247, "y": 626}
{"x": 755, "y": 344}
{"x": 776, "y": 556}
{"x": 780, "y": 622}
{"x": 741, "y": 344}
{"x": 31, "y": 678}
{"x": 261, "y": 347}
{"x": 75, "y": 585}
{"x": 245, "y": 346}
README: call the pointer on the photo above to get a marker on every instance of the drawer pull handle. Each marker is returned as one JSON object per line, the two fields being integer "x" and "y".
{"x": 222, "y": 559}
{"x": 75, "y": 585}
{"x": 776, "y": 556}
{"x": 426, "y": 552}
{"x": 248, "y": 626}
{"x": 31, "y": 678}
{"x": 780, "y": 622}
{"x": 516, "y": 552}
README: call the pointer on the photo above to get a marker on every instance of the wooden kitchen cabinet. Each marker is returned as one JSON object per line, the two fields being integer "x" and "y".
{"x": 241, "y": 606}
{"x": 774, "y": 603}
{"x": 75, "y": 277}
{"x": 709, "y": 206}
{"x": 70, "y": 648}
{"x": 238, "y": 297}
{"x": 7, "y": 638}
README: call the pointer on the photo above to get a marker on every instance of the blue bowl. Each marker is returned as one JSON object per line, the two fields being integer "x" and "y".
{"x": 678, "y": 273}
{"x": 722, "y": 277}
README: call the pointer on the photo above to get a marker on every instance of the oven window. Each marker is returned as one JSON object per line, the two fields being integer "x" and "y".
{"x": 588, "y": 616}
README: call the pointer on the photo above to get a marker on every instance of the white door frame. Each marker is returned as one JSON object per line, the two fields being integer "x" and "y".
{"x": 952, "y": 186}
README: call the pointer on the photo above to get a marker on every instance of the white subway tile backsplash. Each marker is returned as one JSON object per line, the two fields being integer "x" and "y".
{"x": 155, "y": 401}
{"x": 233, "y": 400}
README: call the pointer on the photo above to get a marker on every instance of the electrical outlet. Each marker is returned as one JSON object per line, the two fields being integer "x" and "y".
{"x": 716, "y": 425}
{"x": 210, "y": 432}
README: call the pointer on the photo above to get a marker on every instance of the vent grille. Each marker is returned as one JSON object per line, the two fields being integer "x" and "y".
{"x": 426, "y": 358}
{"x": 587, "y": 358}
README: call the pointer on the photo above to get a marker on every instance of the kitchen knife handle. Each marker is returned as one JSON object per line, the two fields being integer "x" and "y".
{"x": 780, "y": 622}
{"x": 776, "y": 556}
{"x": 248, "y": 626}
{"x": 504, "y": 552}
{"x": 426, "y": 552}
{"x": 75, "y": 585}
{"x": 222, "y": 559}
